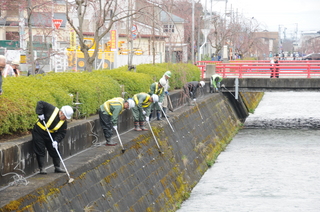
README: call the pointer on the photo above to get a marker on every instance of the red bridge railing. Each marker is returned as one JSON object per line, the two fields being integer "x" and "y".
{"x": 240, "y": 69}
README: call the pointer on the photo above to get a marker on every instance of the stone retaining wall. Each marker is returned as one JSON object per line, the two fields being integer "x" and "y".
{"x": 141, "y": 178}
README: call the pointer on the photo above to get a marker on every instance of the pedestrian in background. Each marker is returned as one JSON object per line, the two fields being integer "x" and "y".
{"x": 55, "y": 121}
{"x": 15, "y": 67}
{"x": 158, "y": 89}
{"x": 3, "y": 62}
{"x": 274, "y": 71}
{"x": 215, "y": 83}
{"x": 109, "y": 113}
{"x": 7, "y": 71}
{"x": 166, "y": 76}
{"x": 142, "y": 109}
{"x": 190, "y": 90}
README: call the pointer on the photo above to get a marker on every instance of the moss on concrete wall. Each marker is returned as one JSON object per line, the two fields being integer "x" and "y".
{"x": 141, "y": 179}
{"x": 251, "y": 99}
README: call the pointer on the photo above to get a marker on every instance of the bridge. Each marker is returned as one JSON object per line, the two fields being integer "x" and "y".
{"x": 271, "y": 84}
{"x": 261, "y": 75}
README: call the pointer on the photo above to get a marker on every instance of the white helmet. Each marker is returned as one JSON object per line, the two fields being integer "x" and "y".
{"x": 163, "y": 82}
{"x": 202, "y": 83}
{"x": 155, "y": 98}
{"x": 67, "y": 111}
{"x": 131, "y": 103}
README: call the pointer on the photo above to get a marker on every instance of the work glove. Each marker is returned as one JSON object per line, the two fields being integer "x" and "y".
{"x": 144, "y": 112}
{"x": 147, "y": 119}
{"x": 55, "y": 144}
{"x": 166, "y": 92}
{"x": 160, "y": 104}
{"x": 194, "y": 100}
{"x": 41, "y": 117}
{"x": 115, "y": 127}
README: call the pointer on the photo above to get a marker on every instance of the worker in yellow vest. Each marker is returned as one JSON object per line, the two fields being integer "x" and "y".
{"x": 158, "y": 89}
{"x": 142, "y": 109}
{"x": 55, "y": 120}
{"x": 215, "y": 81}
{"x": 109, "y": 113}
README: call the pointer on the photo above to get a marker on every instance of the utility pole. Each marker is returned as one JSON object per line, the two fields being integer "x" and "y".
{"x": 279, "y": 42}
{"x": 153, "y": 37}
{"x": 30, "y": 47}
{"x": 192, "y": 36}
{"x": 130, "y": 37}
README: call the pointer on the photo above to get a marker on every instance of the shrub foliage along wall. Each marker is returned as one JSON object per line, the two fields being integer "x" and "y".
{"x": 91, "y": 89}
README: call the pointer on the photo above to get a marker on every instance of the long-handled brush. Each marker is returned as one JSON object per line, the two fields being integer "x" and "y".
{"x": 160, "y": 151}
{"x": 70, "y": 179}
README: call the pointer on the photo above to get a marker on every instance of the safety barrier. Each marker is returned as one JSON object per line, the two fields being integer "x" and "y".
{"x": 297, "y": 69}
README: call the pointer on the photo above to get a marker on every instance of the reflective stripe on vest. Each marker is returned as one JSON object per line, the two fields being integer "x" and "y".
{"x": 145, "y": 103}
{"x": 113, "y": 102}
{"x": 157, "y": 90}
{"x": 51, "y": 119}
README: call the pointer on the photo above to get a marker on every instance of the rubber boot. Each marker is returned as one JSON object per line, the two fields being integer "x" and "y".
{"x": 136, "y": 126}
{"x": 110, "y": 142}
{"x": 158, "y": 115}
{"x": 142, "y": 126}
{"x": 150, "y": 116}
{"x": 41, "y": 165}
{"x": 211, "y": 89}
{"x": 56, "y": 163}
{"x": 165, "y": 113}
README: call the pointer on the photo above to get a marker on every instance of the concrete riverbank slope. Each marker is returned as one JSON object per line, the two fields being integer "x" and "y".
{"x": 141, "y": 178}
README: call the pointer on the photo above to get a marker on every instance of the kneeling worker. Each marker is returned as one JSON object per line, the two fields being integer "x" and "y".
{"x": 142, "y": 109}
{"x": 109, "y": 113}
{"x": 55, "y": 121}
{"x": 215, "y": 83}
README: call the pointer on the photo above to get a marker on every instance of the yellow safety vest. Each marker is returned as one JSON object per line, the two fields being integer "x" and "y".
{"x": 51, "y": 119}
{"x": 113, "y": 102}
{"x": 145, "y": 103}
{"x": 157, "y": 90}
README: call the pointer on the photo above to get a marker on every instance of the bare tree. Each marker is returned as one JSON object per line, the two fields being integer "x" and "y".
{"x": 102, "y": 15}
{"x": 183, "y": 9}
{"x": 43, "y": 22}
{"x": 310, "y": 44}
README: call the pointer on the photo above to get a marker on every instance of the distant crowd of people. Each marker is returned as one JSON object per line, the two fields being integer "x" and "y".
{"x": 12, "y": 69}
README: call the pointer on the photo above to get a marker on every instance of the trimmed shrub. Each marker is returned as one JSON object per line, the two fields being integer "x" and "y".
{"x": 91, "y": 89}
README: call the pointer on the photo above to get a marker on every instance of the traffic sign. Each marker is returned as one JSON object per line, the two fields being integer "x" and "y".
{"x": 134, "y": 28}
{"x": 57, "y": 23}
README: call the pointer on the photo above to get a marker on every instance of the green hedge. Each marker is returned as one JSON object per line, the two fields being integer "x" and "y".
{"x": 91, "y": 89}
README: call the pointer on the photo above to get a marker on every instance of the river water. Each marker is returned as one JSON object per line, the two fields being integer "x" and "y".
{"x": 272, "y": 165}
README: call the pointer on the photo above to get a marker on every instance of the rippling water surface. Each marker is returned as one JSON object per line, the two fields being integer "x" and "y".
{"x": 266, "y": 169}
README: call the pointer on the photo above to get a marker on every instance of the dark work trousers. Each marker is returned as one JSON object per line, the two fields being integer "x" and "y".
{"x": 106, "y": 125}
{"x": 137, "y": 114}
{"x": 41, "y": 142}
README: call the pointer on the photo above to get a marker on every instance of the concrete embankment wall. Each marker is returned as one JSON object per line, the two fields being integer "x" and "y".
{"x": 141, "y": 178}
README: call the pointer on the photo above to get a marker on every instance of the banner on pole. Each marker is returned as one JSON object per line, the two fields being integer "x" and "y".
{"x": 113, "y": 40}
{"x": 73, "y": 42}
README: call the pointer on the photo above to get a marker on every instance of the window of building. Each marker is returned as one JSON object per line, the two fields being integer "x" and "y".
{"x": 12, "y": 35}
{"x": 168, "y": 28}
{"x": 38, "y": 38}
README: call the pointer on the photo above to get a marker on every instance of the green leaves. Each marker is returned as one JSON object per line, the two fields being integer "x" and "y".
{"x": 91, "y": 89}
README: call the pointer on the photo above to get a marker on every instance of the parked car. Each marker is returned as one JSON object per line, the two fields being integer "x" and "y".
{"x": 314, "y": 56}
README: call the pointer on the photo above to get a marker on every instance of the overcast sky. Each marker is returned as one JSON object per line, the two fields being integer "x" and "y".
{"x": 271, "y": 13}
